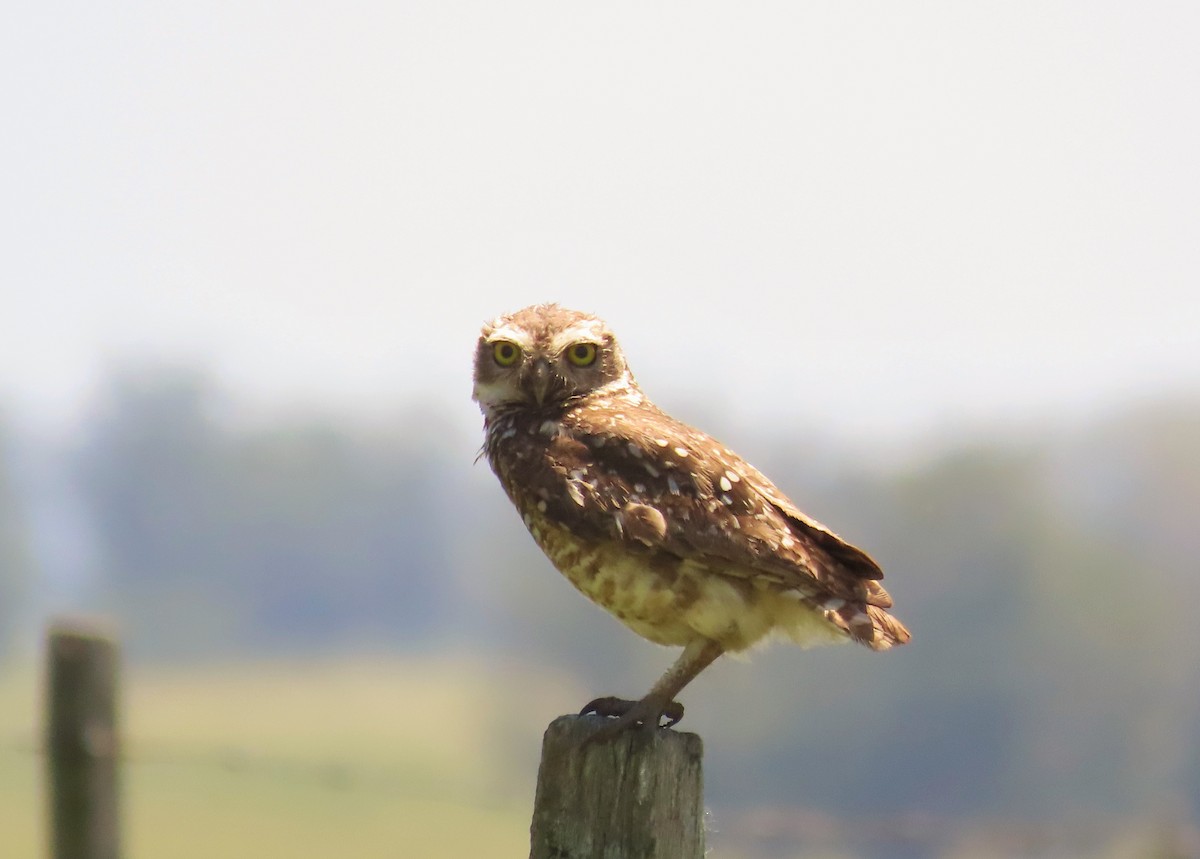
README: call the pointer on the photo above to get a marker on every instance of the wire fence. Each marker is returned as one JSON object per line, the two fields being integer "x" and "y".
{"x": 797, "y": 832}
{"x": 80, "y": 730}
{"x": 765, "y": 831}
{"x": 346, "y": 776}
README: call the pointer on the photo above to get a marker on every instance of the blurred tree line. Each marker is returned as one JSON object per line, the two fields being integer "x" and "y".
{"x": 295, "y": 534}
{"x": 16, "y": 556}
{"x": 1049, "y": 581}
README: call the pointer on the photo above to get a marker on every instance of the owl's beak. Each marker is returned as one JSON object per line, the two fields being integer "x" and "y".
{"x": 540, "y": 376}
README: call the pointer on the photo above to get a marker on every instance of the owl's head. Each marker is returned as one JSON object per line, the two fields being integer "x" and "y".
{"x": 545, "y": 356}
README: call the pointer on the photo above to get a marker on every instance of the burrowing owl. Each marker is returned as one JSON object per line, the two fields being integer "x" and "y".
{"x": 660, "y": 524}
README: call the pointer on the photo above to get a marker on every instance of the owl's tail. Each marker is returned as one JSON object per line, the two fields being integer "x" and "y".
{"x": 887, "y": 632}
{"x": 868, "y": 622}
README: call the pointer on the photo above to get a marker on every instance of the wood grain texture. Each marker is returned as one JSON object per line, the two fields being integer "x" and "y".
{"x": 636, "y": 796}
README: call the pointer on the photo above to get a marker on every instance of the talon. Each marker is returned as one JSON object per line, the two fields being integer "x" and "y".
{"x": 626, "y": 714}
{"x": 673, "y": 713}
{"x": 608, "y": 706}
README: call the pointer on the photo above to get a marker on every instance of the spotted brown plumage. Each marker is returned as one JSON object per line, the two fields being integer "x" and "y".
{"x": 657, "y": 522}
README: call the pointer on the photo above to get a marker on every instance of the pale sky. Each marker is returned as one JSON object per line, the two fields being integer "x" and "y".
{"x": 868, "y": 218}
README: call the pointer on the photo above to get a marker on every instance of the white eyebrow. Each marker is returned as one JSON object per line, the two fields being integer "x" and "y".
{"x": 584, "y": 331}
{"x": 513, "y": 335}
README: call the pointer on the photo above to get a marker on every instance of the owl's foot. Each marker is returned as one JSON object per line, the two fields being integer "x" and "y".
{"x": 660, "y": 702}
{"x": 645, "y": 713}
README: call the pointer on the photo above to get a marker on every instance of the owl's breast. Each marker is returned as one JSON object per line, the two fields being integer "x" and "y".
{"x": 643, "y": 591}
{"x": 549, "y": 473}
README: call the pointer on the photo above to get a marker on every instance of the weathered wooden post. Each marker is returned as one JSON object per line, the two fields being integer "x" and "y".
{"x": 638, "y": 796}
{"x": 81, "y": 739}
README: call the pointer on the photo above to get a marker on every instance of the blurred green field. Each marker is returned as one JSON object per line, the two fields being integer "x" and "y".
{"x": 364, "y": 757}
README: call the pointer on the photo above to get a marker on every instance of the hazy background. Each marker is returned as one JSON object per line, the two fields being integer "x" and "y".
{"x": 933, "y": 267}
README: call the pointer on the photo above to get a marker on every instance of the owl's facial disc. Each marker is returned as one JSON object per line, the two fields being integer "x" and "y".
{"x": 545, "y": 356}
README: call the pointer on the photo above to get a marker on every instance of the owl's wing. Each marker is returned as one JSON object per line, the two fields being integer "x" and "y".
{"x": 650, "y": 481}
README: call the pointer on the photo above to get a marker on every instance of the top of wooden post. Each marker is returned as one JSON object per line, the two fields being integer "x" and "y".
{"x": 639, "y": 795}
{"x": 82, "y": 656}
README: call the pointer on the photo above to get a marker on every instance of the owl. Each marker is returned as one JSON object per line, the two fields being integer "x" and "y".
{"x": 653, "y": 520}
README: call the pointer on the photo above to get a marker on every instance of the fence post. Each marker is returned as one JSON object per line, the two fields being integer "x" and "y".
{"x": 81, "y": 739}
{"x": 638, "y": 796}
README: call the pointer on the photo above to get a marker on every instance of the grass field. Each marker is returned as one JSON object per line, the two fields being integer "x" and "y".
{"x": 364, "y": 757}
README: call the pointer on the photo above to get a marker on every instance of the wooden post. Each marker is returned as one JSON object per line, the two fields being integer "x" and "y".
{"x": 637, "y": 796}
{"x": 81, "y": 740}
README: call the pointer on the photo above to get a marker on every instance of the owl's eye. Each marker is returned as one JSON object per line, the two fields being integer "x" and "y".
{"x": 505, "y": 353}
{"x": 582, "y": 354}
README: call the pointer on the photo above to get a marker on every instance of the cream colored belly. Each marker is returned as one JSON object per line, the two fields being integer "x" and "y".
{"x": 675, "y": 606}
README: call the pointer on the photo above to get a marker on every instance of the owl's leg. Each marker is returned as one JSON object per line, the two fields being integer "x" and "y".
{"x": 660, "y": 700}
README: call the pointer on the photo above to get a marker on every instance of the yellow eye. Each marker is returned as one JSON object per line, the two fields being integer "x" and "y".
{"x": 582, "y": 354}
{"x": 505, "y": 353}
